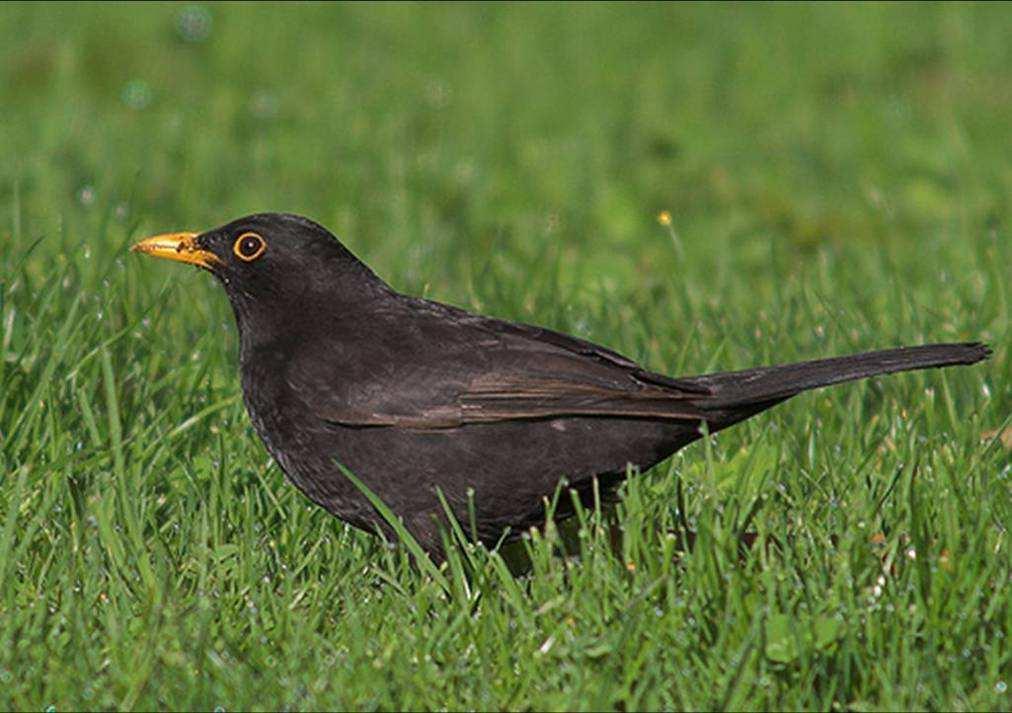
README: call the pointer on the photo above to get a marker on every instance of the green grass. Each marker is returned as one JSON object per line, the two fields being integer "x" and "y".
{"x": 839, "y": 178}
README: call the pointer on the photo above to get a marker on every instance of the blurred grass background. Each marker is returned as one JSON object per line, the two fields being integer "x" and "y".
{"x": 837, "y": 178}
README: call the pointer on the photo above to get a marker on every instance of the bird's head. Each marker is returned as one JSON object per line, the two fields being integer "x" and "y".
{"x": 271, "y": 264}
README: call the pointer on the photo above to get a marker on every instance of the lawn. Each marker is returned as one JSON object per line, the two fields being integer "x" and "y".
{"x": 838, "y": 178}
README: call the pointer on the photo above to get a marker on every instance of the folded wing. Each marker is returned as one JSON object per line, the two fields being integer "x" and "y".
{"x": 486, "y": 371}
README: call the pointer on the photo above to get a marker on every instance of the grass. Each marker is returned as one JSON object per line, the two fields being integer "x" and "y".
{"x": 838, "y": 178}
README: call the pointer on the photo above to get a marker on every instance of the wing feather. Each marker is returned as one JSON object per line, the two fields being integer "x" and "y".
{"x": 467, "y": 369}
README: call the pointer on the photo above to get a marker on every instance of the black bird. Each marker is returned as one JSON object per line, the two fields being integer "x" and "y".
{"x": 412, "y": 395}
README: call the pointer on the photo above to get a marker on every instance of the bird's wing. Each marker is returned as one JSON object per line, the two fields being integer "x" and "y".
{"x": 498, "y": 396}
{"x": 456, "y": 369}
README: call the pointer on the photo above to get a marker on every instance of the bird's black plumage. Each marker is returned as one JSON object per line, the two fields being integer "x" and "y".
{"x": 415, "y": 397}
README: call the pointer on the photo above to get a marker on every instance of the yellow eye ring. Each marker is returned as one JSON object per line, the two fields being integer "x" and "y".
{"x": 249, "y": 246}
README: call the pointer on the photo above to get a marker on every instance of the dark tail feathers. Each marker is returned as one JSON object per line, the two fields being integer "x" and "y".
{"x": 753, "y": 390}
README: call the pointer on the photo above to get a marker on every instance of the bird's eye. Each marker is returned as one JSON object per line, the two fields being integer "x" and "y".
{"x": 249, "y": 246}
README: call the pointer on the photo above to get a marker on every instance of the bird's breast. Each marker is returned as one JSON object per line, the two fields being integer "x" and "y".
{"x": 287, "y": 428}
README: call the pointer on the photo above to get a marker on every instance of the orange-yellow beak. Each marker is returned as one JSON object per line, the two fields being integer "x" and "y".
{"x": 181, "y": 247}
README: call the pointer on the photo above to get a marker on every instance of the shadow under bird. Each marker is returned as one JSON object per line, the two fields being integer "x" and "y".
{"x": 416, "y": 397}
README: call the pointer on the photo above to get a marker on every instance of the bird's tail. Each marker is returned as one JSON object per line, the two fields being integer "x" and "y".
{"x": 735, "y": 395}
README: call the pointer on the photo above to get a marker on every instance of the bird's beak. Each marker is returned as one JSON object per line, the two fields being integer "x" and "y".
{"x": 181, "y": 247}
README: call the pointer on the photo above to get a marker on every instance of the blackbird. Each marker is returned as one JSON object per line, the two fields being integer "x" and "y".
{"x": 340, "y": 371}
